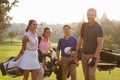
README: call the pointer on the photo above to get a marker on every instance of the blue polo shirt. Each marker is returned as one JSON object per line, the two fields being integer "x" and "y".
{"x": 71, "y": 42}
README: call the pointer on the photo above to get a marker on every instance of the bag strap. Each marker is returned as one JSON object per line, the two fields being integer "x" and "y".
{"x": 39, "y": 40}
{"x": 60, "y": 42}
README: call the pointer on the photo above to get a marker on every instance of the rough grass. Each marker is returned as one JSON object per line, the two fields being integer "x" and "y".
{"x": 7, "y": 50}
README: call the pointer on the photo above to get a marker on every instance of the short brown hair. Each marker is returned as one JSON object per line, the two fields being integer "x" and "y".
{"x": 67, "y": 26}
{"x": 92, "y": 9}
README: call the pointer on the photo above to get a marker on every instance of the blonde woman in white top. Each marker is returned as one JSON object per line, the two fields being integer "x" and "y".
{"x": 29, "y": 62}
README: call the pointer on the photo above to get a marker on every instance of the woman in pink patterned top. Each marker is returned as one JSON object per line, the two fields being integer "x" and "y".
{"x": 44, "y": 46}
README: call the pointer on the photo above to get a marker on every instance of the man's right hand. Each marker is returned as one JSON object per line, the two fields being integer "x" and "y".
{"x": 59, "y": 62}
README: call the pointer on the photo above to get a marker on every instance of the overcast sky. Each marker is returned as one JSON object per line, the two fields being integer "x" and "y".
{"x": 62, "y": 11}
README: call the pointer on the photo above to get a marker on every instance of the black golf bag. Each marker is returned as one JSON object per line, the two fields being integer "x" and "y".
{"x": 10, "y": 68}
{"x": 50, "y": 62}
{"x": 108, "y": 60}
{"x": 52, "y": 66}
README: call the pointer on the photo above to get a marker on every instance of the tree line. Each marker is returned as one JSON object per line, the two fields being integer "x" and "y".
{"x": 111, "y": 27}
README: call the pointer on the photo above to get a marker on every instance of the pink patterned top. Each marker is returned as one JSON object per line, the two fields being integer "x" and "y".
{"x": 44, "y": 45}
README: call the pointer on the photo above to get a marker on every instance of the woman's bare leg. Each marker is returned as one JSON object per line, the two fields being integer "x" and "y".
{"x": 34, "y": 74}
{"x": 26, "y": 74}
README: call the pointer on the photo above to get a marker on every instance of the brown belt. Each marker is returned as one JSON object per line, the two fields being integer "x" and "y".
{"x": 85, "y": 52}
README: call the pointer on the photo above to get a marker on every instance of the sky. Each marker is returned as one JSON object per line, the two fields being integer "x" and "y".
{"x": 62, "y": 11}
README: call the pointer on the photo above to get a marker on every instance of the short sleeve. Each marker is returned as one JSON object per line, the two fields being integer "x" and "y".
{"x": 99, "y": 32}
{"x": 75, "y": 43}
{"x": 59, "y": 45}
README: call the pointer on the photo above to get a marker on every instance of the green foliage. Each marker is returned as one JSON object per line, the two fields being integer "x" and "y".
{"x": 5, "y": 7}
{"x": 108, "y": 41}
{"x": 54, "y": 38}
{"x": 11, "y": 35}
{"x": 116, "y": 33}
{"x": 111, "y": 32}
{"x": 78, "y": 28}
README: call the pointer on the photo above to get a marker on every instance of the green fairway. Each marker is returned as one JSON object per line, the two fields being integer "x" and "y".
{"x": 7, "y": 50}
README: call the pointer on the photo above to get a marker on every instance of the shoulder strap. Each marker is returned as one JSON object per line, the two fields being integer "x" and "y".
{"x": 60, "y": 42}
{"x": 39, "y": 39}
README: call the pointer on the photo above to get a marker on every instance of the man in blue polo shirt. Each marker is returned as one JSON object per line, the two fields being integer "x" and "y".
{"x": 67, "y": 41}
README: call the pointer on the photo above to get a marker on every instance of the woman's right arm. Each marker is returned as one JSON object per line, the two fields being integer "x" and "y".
{"x": 24, "y": 42}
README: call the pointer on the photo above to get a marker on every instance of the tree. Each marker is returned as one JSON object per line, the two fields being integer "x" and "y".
{"x": 5, "y": 7}
{"x": 108, "y": 41}
{"x": 116, "y": 33}
{"x": 11, "y": 35}
{"x": 78, "y": 29}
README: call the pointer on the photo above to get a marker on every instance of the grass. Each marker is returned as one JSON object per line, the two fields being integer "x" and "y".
{"x": 7, "y": 50}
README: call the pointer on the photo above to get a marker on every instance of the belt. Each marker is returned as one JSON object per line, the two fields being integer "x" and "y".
{"x": 86, "y": 52}
{"x": 31, "y": 49}
{"x": 67, "y": 56}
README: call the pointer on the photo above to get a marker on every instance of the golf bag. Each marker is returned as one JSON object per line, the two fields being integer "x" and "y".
{"x": 108, "y": 60}
{"x": 52, "y": 66}
{"x": 108, "y": 56}
{"x": 50, "y": 62}
{"x": 10, "y": 67}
